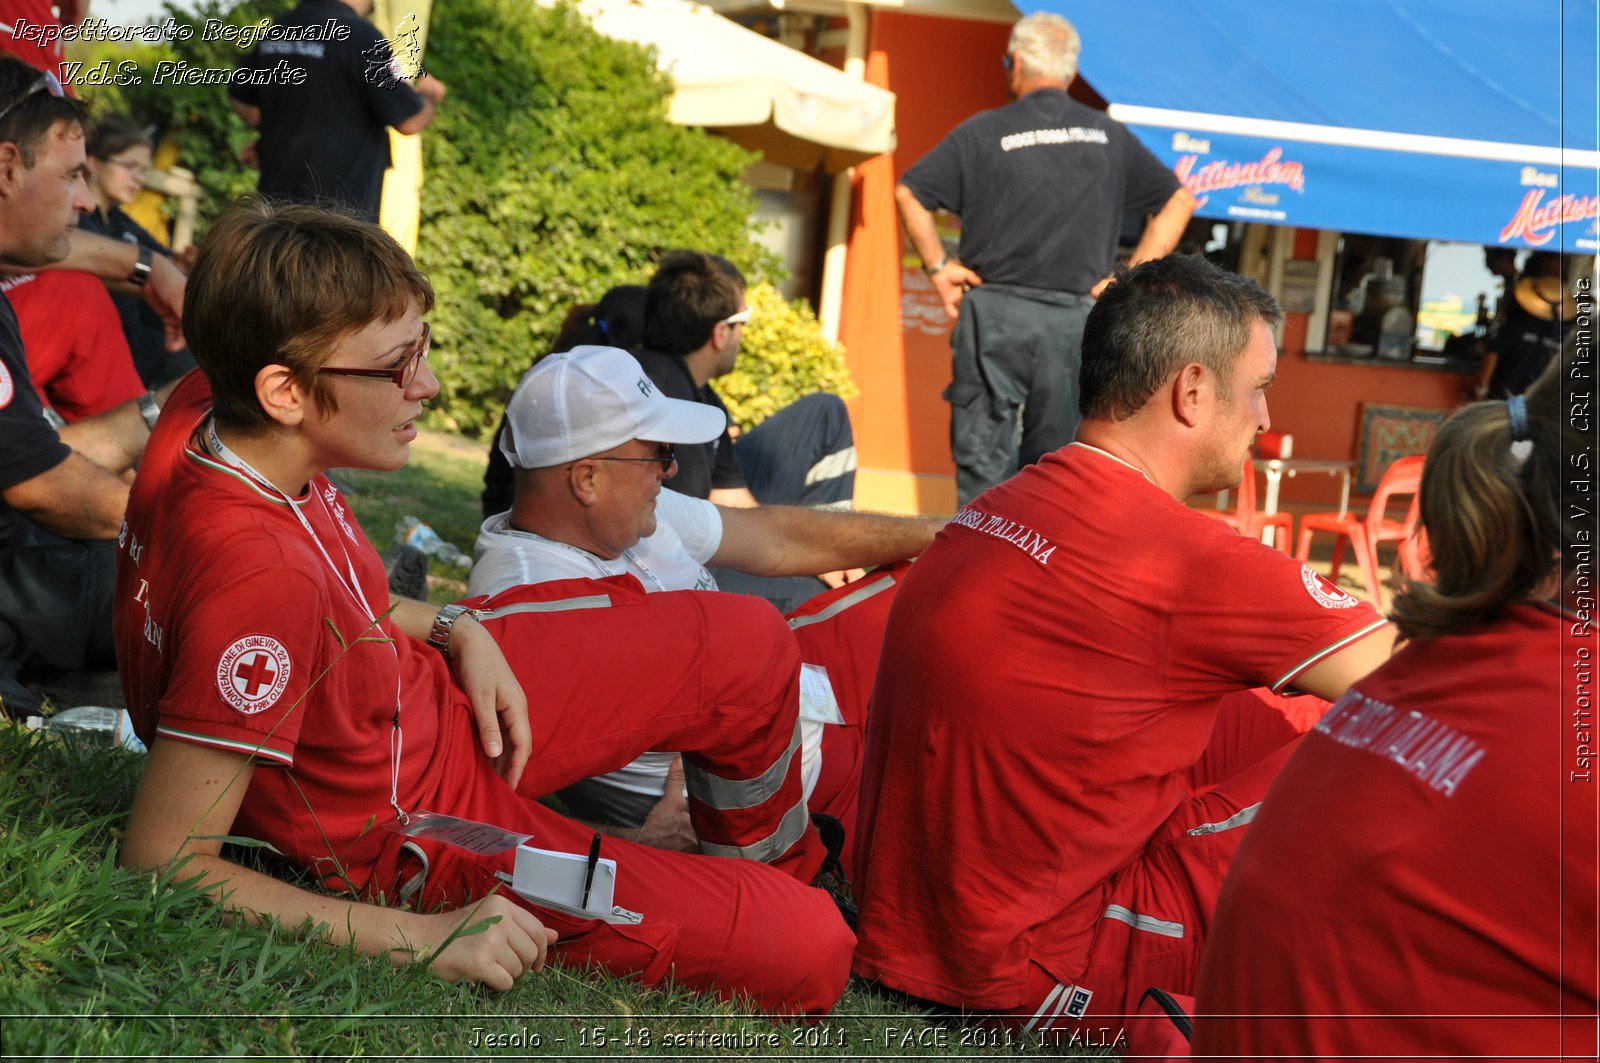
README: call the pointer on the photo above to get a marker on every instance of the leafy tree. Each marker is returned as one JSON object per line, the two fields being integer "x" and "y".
{"x": 551, "y": 174}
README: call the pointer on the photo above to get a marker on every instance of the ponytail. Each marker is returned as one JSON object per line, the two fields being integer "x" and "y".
{"x": 1491, "y": 504}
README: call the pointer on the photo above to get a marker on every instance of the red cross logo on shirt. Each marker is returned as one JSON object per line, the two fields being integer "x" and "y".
{"x": 252, "y": 673}
{"x": 256, "y": 670}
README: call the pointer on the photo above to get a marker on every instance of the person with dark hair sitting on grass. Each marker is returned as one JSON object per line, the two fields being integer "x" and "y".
{"x": 1422, "y": 880}
{"x": 286, "y": 696}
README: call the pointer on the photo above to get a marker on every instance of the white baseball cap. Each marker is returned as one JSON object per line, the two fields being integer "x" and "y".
{"x": 589, "y": 399}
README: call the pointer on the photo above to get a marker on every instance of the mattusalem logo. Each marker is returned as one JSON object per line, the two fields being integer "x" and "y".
{"x": 1215, "y": 176}
{"x": 1537, "y": 224}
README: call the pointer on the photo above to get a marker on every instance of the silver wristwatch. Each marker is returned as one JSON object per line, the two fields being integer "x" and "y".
{"x": 141, "y": 268}
{"x": 443, "y": 624}
{"x": 149, "y": 409}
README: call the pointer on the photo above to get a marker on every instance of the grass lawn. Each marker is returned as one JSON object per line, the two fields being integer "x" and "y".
{"x": 101, "y": 963}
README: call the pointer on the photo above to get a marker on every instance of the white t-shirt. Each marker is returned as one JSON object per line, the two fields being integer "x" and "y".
{"x": 688, "y": 532}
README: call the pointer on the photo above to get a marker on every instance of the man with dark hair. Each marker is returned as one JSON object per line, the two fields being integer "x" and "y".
{"x": 1082, "y": 650}
{"x": 286, "y": 695}
{"x": 62, "y": 492}
{"x": 325, "y": 102}
{"x": 694, "y": 318}
{"x": 1041, "y": 187}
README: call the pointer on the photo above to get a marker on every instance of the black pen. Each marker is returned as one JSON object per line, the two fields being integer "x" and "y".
{"x": 588, "y": 876}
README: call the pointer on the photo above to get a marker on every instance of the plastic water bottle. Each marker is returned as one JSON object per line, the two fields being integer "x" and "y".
{"x": 413, "y": 532}
{"x": 114, "y": 724}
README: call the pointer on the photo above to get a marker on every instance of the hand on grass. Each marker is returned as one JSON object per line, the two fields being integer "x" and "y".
{"x": 496, "y": 697}
{"x": 496, "y": 955}
{"x": 667, "y": 826}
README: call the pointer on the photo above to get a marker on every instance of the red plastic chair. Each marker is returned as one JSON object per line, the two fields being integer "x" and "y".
{"x": 1365, "y": 533}
{"x": 1415, "y": 559}
{"x": 1247, "y": 520}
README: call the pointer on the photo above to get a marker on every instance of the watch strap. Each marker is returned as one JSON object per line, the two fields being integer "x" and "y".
{"x": 141, "y": 268}
{"x": 149, "y": 409}
{"x": 443, "y": 625}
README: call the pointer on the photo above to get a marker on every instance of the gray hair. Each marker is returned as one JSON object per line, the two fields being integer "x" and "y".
{"x": 1046, "y": 45}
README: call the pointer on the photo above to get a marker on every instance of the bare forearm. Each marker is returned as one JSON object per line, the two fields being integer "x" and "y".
{"x": 75, "y": 500}
{"x": 918, "y": 221}
{"x": 1163, "y": 231}
{"x": 374, "y": 931}
{"x": 795, "y": 541}
{"x": 113, "y": 440}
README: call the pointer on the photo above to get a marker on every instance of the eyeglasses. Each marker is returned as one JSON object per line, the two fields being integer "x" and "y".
{"x": 665, "y": 455}
{"x": 401, "y": 375}
{"x": 741, "y": 318}
{"x": 45, "y": 82}
{"x": 134, "y": 168}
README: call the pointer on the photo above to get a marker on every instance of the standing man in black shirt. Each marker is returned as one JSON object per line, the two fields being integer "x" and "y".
{"x": 1041, "y": 186}
{"x": 332, "y": 90}
{"x": 62, "y": 494}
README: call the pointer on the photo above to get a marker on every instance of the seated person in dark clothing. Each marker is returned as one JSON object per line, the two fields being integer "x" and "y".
{"x": 694, "y": 318}
{"x": 1530, "y": 332}
{"x": 617, "y": 320}
{"x": 119, "y": 154}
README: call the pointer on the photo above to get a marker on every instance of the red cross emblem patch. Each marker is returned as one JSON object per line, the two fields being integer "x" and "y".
{"x": 253, "y": 672}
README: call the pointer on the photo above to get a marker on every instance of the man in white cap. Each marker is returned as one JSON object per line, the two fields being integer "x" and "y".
{"x": 590, "y": 439}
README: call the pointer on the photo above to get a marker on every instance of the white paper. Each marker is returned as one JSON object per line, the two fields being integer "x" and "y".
{"x": 817, "y": 702}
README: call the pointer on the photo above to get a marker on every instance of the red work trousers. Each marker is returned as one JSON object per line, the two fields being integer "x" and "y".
{"x": 1154, "y": 914}
{"x": 610, "y": 672}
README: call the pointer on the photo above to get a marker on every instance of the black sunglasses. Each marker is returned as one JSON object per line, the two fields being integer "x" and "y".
{"x": 401, "y": 375}
{"x": 45, "y": 82}
{"x": 665, "y": 454}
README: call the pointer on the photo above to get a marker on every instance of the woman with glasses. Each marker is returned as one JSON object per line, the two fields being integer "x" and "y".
{"x": 119, "y": 156}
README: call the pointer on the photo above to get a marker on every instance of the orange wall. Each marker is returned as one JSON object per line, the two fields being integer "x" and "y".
{"x": 937, "y": 71}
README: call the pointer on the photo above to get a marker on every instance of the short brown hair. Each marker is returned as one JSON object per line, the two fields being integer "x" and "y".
{"x": 1158, "y": 317}
{"x": 283, "y": 284}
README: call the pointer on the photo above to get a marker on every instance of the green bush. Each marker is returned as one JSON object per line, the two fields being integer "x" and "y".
{"x": 210, "y": 136}
{"x": 784, "y": 357}
{"x": 551, "y": 174}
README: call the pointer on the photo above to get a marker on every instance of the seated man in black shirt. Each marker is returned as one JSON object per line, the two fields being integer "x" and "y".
{"x": 694, "y": 318}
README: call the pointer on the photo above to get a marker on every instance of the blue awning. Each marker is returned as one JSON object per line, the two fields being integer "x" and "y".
{"x": 1471, "y": 120}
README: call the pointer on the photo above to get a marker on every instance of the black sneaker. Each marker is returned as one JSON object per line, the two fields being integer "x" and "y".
{"x": 407, "y": 569}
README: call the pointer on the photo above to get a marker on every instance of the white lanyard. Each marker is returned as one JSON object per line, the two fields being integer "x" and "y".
{"x": 352, "y": 587}
{"x": 597, "y": 562}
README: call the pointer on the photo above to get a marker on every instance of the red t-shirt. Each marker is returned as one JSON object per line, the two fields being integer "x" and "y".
{"x": 1051, "y": 668}
{"x": 234, "y": 631}
{"x": 77, "y": 353}
{"x": 1429, "y": 851}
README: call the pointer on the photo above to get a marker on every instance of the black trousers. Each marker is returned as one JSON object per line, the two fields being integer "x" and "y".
{"x": 55, "y": 608}
{"x": 1014, "y": 394}
{"x": 803, "y": 455}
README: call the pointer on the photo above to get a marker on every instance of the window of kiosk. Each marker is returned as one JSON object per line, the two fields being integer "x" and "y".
{"x": 1401, "y": 300}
